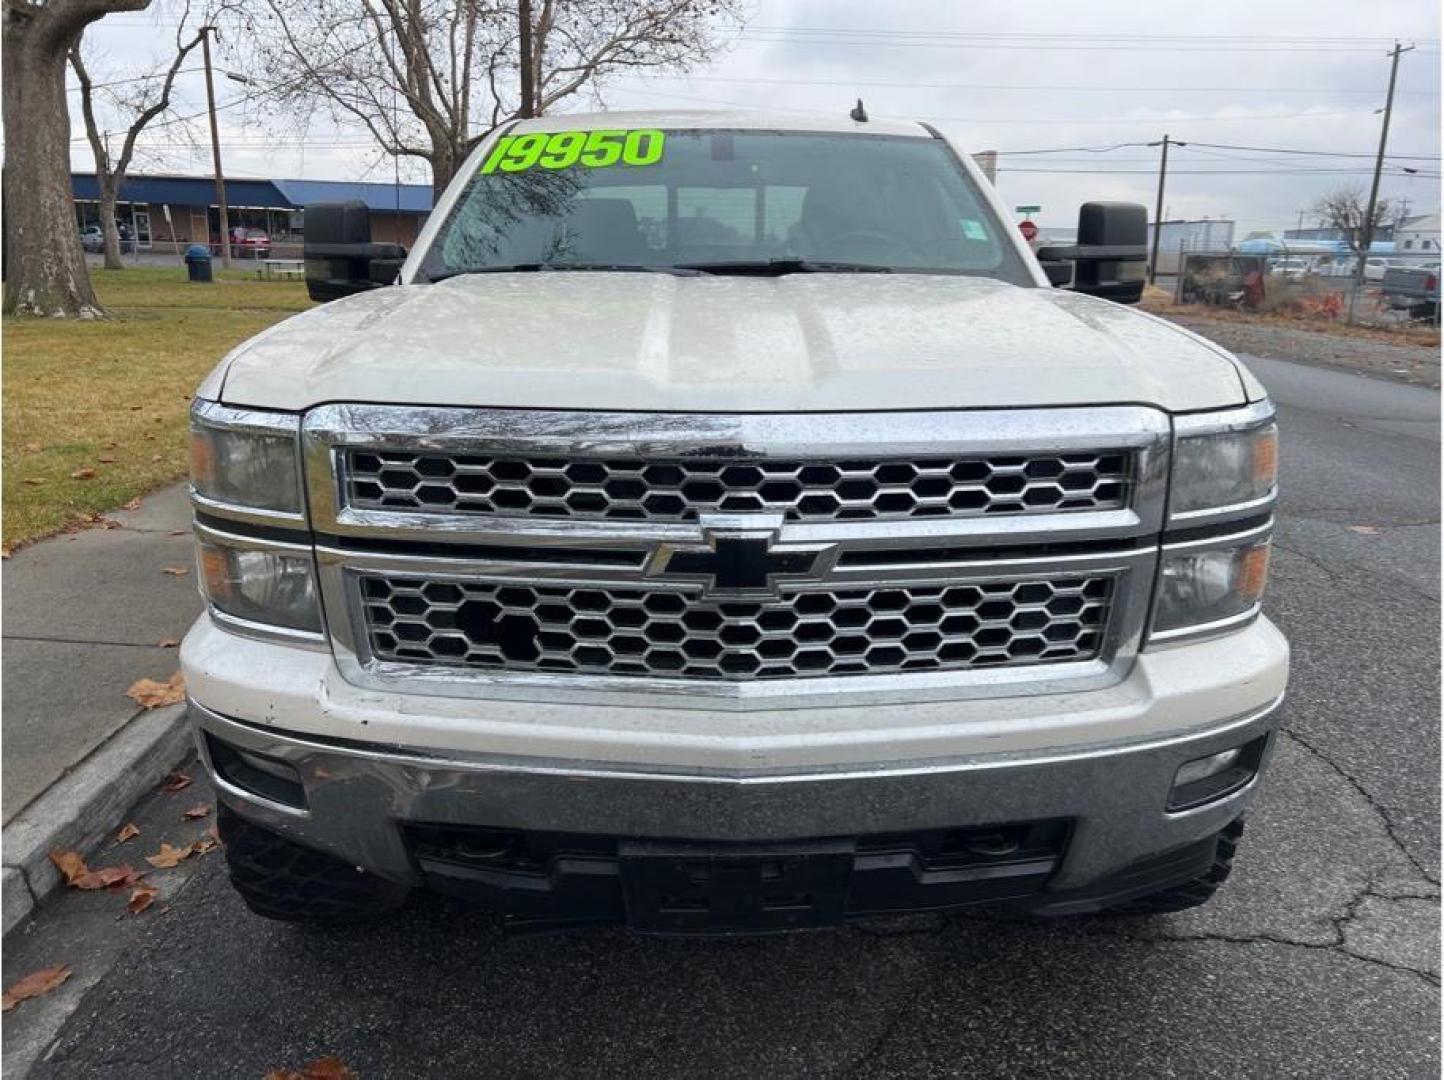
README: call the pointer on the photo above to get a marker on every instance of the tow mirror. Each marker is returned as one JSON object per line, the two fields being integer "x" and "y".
{"x": 340, "y": 257}
{"x": 1109, "y": 258}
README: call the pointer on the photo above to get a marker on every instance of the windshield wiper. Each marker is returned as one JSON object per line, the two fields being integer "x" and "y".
{"x": 539, "y": 267}
{"x": 778, "y": 267}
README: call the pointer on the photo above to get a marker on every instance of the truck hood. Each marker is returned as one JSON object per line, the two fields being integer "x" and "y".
{"x": 795, "y": 343}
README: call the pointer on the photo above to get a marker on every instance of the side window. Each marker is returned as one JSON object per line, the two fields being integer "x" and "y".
{"x": 782, "y": 214}
{"x": 723, "y": 217}
{"x": 649, "y": 203}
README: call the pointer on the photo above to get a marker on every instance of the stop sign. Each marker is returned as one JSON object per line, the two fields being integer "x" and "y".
{"x": 1028, "y": 229}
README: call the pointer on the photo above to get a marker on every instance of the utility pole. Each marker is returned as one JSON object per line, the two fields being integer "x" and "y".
{"x": 1158, "y": 210}
{"x": 1366, "y": 230}
{"x": 206, "y": 32}
{"x": 528, "y": 73}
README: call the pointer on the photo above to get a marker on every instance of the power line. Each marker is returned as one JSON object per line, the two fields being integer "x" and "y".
{"x": 1011, "y": 121}
{"x": 1028, "y": 87}
{"x": 1317, "y": 153}
{"x": 929, "y": 40}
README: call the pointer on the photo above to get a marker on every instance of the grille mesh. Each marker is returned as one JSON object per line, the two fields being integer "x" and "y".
{"x": 681, "y": 490}
{"x": 641, "y": 632}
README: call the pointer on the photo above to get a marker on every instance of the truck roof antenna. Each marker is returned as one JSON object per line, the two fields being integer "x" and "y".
{"x": 858, "y": 112}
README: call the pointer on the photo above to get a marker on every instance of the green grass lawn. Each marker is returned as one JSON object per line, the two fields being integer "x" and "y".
{"x": 111, "y": 396}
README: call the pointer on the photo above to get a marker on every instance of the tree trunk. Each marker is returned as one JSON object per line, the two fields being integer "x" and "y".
{"x": 109, "y": 230}
{"x": 44, "y": 266}
{"x": 443, "y": 168}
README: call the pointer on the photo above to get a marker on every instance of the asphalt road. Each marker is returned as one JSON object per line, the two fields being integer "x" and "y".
{"x": 1319, "y": 958}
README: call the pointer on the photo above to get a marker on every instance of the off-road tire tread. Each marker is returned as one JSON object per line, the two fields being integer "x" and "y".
{"x": 280, "y": 879}
{"x": 1190, "y": 894}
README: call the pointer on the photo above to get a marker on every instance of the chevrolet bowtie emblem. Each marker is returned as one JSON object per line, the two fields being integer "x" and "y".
{"x": 740, "y": 561}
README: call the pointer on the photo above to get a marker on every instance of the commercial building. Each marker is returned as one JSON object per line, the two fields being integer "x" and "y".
{"x": 166, "y": 213}
{"x": 1418, "y": 236}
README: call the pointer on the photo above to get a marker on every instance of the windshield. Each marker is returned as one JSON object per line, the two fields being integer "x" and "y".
{"x": 718, "y": 201}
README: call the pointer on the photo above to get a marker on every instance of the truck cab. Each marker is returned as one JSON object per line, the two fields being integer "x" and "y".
{"x": 721, "y": 523}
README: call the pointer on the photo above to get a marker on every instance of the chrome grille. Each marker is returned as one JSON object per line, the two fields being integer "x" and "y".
{"x": 611, "y": 630}
{"x": 682, "y": 489}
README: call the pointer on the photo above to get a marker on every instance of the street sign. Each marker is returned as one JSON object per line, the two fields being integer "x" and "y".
{"x": 1028, "y": 229}
{"x": 1028, "y": 209}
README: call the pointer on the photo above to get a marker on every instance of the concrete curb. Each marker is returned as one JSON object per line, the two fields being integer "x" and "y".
{"x": 86, "y": 805}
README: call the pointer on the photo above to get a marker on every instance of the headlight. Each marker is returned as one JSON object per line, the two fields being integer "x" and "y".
{"x": 1210, "y": 584}
{"x": 259, "y": 582}
{"x": 1224, "y": 468}
{"x": 246, "y": 459}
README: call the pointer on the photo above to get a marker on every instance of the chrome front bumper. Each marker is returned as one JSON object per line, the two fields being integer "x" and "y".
{"x": 359, "y": 797}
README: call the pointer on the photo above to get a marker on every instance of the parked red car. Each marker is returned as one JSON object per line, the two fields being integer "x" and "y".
{"x": 250, "y": 242}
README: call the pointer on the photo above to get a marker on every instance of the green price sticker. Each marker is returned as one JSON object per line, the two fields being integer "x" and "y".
{"x": 563, "y": 149}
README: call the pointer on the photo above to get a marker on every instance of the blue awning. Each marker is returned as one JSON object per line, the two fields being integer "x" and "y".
{"x": 271, "y": 194}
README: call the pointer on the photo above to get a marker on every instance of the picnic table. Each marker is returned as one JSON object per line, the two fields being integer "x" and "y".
{"x": 271, "y": 269}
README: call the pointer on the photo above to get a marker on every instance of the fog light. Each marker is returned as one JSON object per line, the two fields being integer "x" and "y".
{"x": 1204, "y": 767}
{"x": 1205, "y": 779}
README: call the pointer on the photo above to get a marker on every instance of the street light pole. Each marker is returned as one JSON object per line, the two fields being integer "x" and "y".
{"x": 1366, "y": 230}
{"x": 206, "y": 32}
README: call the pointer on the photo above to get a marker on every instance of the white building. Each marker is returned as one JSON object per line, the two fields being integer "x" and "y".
{"x": 1415, "y": 236}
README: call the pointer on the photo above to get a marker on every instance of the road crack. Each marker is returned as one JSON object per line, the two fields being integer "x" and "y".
{"x": 1390, "y": 829}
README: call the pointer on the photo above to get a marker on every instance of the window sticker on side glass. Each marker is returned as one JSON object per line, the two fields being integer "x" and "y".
{"x": 973, "y": 229}
{"x": 563, "y": 149}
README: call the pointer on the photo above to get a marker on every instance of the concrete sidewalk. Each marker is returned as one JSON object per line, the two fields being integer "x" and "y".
{"x": 84, "y": 614}
{"x": 84, "y": 617}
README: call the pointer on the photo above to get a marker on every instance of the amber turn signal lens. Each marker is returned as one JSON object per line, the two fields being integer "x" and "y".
{"x": 1253, "y": 572}
{"x": 1266, "y": 459}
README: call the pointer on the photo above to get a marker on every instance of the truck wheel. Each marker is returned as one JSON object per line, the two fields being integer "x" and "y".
{"x": 1193, "y": 893}
{"x": 279, "y": 879}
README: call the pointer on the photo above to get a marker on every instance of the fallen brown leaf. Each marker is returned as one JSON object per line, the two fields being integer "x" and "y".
{"x": 70, "y": 865}
{"x": 134, "y": 504}
{"x": 169, "y": 856}
{"x": 33, "y": 481}
{"x": 326, "y": 1068}
{"x": 149, "y": 694}
{"x": 106, "y": 460}
{"x": 199, "y": 811}
{"x": 179, "y": 532}
{"x": 176, "y": 571}
{"x": 208, "y": 842}
{"x": 110, "y": 446}
{"x": 83, "y": 474}
{"x": 109, "y": 877}
{"x": 128, "y": 831}
{"x": 156, "y": 459}
{"x": 167, "y": 643}
{"x": 141, "y": 897}
{"x": 1367, "y": 530}
{"x": 36, "y": 984}
{"x": 176, "y": 781}
{"x": 31, "y": 448}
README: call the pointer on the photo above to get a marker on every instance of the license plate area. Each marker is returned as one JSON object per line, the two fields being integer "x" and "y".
{"x": 720, "y": 889}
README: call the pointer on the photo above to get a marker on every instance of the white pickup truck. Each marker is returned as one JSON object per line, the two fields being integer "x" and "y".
{"x": 720, "y": 523}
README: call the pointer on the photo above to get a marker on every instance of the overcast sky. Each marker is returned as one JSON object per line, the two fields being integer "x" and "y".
{"x": 997, "y": 74}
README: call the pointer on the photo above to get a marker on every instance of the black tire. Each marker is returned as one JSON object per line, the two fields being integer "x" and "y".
{"x": 1190, "y": 894}
{"x": 280, "y": 879}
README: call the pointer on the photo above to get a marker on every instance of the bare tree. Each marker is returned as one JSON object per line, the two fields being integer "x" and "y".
{"x": 142, "y": 101}
{"x": 44, "y": 266}
{"x": 428, "y": 79}
{"x": 1345, "y": 209}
